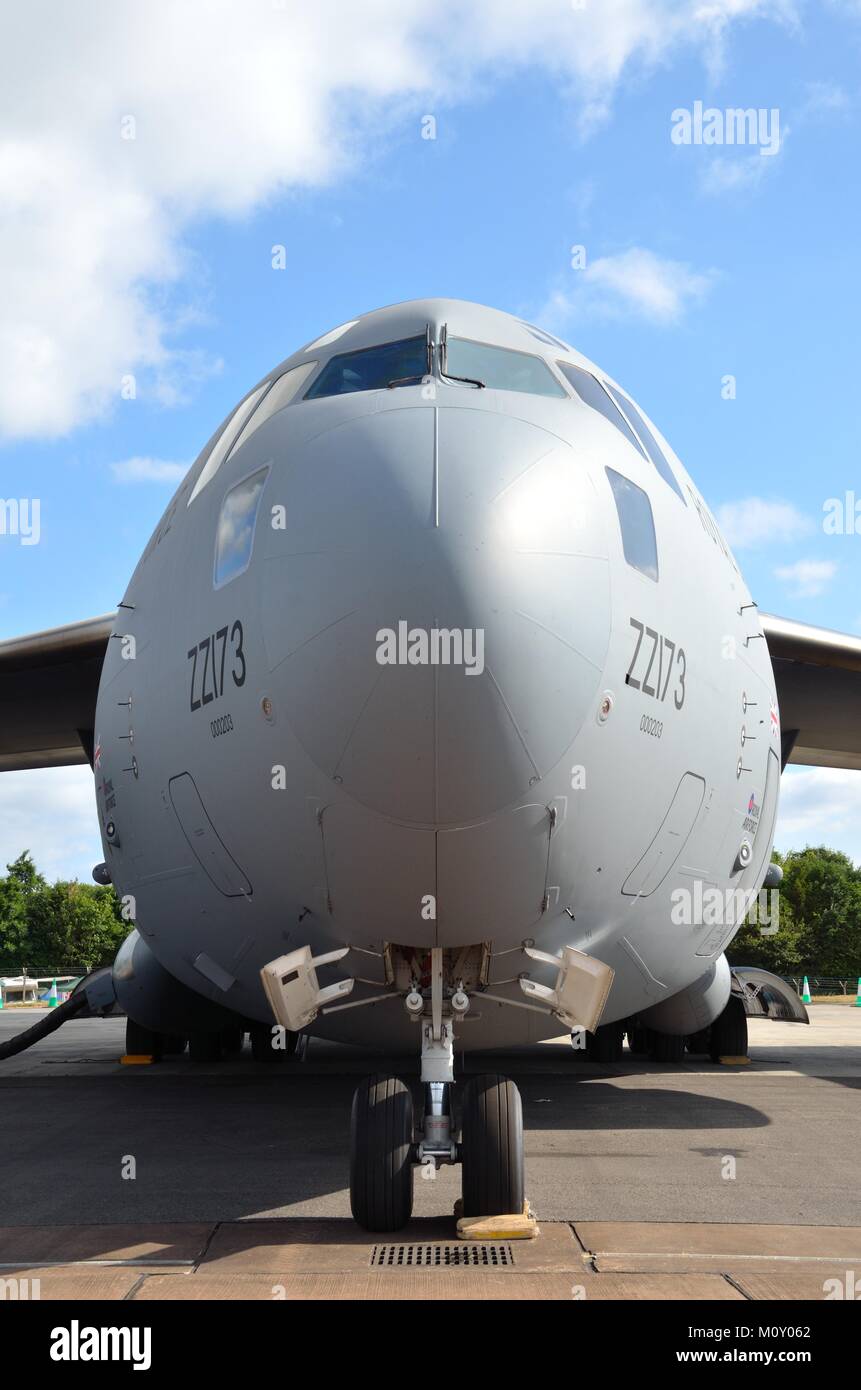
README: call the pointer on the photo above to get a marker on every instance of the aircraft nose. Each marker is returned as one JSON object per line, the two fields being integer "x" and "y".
{"x": 436, "y": 611}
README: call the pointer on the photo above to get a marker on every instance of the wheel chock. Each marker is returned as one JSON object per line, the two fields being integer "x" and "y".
{"x": 734, "y": 1061}
{"x": 137, "y": 1059}
{"x": 514, "y": 1226}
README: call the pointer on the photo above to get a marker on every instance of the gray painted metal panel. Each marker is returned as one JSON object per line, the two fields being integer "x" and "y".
{"x": 670, "y": 840}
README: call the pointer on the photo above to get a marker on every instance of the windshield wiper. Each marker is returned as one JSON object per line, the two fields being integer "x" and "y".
{"x": 412, "y": 380}
{"x": 443, "y": 362}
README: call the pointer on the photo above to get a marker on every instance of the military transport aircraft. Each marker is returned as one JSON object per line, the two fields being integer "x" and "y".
{"x": 433, "y": 700}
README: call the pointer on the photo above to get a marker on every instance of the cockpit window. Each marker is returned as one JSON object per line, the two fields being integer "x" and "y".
{"x": 591, "y": 392}
{"x": 652, "y": 447}
{"x": 637, "y": 524}
{"x": 224, "y": 443}
{"x": 500, "y": 368}
{"x": 332, "y": 336}
{"x": 544, "y": 337}
{"x": 371, "y": 369}
{"x": 236, "y": 522}
{"x": 280, "y": 393}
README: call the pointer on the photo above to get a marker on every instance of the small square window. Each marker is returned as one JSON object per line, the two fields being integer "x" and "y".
{"x": 236, "y": 523}
{"x": 637, "y": 524}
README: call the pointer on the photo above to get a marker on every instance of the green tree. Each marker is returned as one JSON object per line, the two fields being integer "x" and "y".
{"x": 65, "y": 923}
{"x": 819, "y": 918}
{"x": 22, "y": 884}
{"x": 756, "y": 943}
{"x": 74, "y": 923}
{"x": 823, "y": 888}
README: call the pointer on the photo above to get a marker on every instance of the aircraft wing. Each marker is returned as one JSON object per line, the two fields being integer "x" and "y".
{"x": 818, "y": 677}
{"x": 48, "y": 687}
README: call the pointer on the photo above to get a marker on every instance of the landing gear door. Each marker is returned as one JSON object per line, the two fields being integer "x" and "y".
{"x": 491, "y": 878}
{"x": 380, "y": 876}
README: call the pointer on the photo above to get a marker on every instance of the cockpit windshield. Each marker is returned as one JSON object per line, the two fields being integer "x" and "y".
{"x": 372, "y": 369}
{"x": 501, "y": 369}
{"x": 406, "y": 361}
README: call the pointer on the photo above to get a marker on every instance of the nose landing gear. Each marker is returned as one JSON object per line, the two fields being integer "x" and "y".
{"x": 382, "y": 1150}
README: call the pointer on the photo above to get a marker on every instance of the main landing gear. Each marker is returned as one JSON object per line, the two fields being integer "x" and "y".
{"x": 728, "y": 1033}
{"x": 210, "y": 1047}
{"x": 724, "y": 1040}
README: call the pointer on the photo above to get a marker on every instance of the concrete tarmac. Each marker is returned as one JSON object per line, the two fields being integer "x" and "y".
{"x": 229, "y": 1181}
{"x": 775, "y": 1142}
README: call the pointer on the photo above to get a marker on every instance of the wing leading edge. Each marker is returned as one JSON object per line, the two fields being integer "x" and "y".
{"x": 818, "y": 678}
{"x": 48, "y": 687}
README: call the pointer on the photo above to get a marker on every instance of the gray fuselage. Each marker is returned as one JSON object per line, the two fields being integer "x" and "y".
{"x": 439, "y": 705}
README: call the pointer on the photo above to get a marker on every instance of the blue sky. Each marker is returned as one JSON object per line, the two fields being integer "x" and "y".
{"x": 152, "y": 255}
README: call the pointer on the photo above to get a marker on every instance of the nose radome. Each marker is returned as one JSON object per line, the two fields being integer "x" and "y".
{"x": 436, "y": 613}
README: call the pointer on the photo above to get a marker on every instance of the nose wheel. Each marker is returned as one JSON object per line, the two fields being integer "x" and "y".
{"x": 381, "y": 1154}
{"x": 492, "y": 1147}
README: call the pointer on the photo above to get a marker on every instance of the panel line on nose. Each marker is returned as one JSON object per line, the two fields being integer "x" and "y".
{"x": 313, "y": 637}
{"x": 522, "y": 474}
{"x": 436, "y": 465}
{"x": 514, "y": 722}
{"x": 550, "y": 633}
{"x": 357, "y": 722}
{"x": 436, "y": 740}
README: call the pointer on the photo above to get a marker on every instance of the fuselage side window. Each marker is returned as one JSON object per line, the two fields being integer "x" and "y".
{"x": 653, "y": 449}
{"x": 590, "y": 391}
{"x": 234, "y": 540}
{"x": 637, "y": 524}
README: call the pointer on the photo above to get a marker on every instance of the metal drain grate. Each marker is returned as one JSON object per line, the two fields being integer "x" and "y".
{"x": 491, "y": 1256}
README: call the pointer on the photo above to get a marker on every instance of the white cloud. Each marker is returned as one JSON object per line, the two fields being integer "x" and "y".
{"x": 808, "y": 577}
{"x": 823, "y": 99}
{"x": 145, "y": 470}
{"x": 52, "y": 813}
{"x": 635, "y": 283}
{"x": 730, "y": 175}
{"x": 234, "y": 104}
{"x": 738, "y": 172}
{"x": 820, "y": 806}
{"x": 755, "y": 521}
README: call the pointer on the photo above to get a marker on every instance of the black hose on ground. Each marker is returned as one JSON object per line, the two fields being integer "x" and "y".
{"x": 52, "y": 1020}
